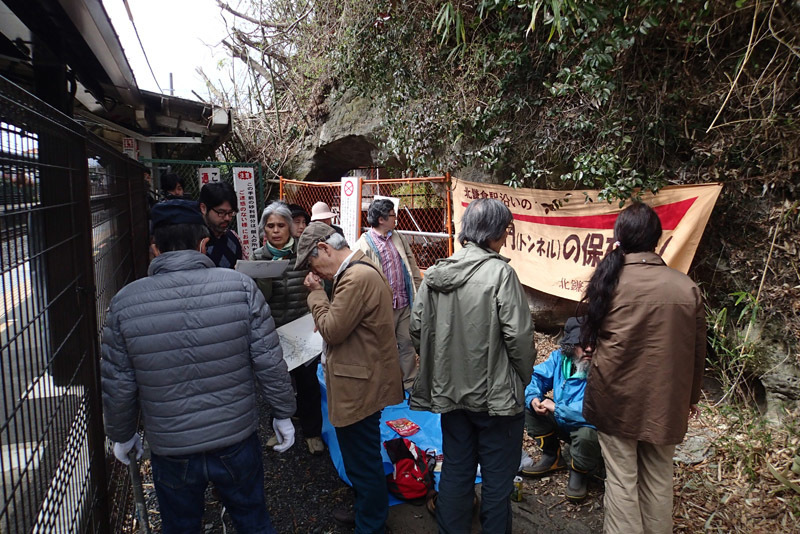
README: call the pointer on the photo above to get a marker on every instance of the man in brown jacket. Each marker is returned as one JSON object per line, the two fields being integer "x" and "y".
{"x": 362, "y": 372}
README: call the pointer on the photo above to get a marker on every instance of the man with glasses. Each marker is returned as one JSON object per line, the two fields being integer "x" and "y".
{"x": 218, "y": 206}
{"x": 390, "y": 251}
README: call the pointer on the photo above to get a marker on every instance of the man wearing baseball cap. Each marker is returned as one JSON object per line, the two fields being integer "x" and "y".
{"x": 550, "y": 421}
{"x": 192, "y": 370}
{"x": 362, "y": 373}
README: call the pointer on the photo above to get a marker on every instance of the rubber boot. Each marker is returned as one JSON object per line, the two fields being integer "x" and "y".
{"x": 551, "y": 459}
{"x": 578, "y": 485}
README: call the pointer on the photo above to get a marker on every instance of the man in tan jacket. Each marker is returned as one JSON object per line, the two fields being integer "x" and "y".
{"x": 390, "y": 252}
{"x": 362, "y": 373}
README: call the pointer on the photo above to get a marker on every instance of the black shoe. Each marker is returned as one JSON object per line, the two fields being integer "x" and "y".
{"x": 344, "y": 517}
{"x": 578, "y": 485}
{"x": 548, "y": 463}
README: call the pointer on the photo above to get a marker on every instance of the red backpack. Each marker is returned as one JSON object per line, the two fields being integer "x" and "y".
{"x": 413, "y": 469}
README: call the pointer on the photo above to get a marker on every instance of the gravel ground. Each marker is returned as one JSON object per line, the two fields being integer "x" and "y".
{"x": 303, "y": 490}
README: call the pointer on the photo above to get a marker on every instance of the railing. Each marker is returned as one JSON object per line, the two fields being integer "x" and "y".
{"x": 73, "y": 232}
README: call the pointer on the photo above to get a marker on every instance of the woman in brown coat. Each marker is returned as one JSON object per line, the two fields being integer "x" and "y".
{"x": 646, "y": 325}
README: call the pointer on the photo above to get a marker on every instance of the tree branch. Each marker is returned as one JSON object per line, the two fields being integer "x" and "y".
{"x": 281, "y": 25}
{"x": 244, "y": 39}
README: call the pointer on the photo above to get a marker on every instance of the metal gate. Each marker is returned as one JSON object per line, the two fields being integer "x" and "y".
{"x": 73, "y": 228}
{"x": 425, "y": 215}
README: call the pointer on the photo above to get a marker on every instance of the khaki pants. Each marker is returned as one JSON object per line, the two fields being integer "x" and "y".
{"x": 408, "y": 357}
{"x": 638, "y": 497}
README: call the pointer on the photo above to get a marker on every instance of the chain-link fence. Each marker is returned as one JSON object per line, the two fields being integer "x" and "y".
{"x": 193, "y": 173}
{"x": 424, "y": 216}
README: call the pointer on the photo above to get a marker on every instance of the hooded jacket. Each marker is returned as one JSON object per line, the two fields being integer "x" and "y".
{"x": 567, "y": 392}
{"x": 187, "y": 345}
{"x": 472, "y": 328}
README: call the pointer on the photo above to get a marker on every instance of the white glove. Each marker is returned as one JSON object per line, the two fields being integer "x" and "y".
{"x": 121, "y": 450}
{"x": 284, "y": 431}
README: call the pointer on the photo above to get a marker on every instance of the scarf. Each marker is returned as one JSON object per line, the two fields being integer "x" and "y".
{"x": 280, "y": 253}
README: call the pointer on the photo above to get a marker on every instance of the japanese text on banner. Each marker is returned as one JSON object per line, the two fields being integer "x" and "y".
{"x": 557, "y": 238}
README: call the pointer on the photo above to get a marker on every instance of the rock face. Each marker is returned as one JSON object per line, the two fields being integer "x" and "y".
{"x": 549, "y": 313}
{"x": 349, "y": 139}
{"x": 781, "y": 378}
{"x": 346, "y": 140}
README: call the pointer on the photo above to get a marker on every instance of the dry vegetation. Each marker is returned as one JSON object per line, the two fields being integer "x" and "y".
{"x": 733, "y": 490}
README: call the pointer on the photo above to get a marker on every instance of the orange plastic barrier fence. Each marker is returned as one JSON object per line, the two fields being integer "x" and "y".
{"x": 424, "y": 218}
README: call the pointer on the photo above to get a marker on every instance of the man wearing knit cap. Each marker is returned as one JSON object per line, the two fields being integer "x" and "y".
{"x": 187, "y": 346}
{"x": 560, "y": 418}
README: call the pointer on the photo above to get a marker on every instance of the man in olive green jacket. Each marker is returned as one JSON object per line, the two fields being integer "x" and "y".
{"x": 471, "y": 326}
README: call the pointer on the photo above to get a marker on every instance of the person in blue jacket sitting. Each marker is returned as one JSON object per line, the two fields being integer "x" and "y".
{"x": 550, "y": 421}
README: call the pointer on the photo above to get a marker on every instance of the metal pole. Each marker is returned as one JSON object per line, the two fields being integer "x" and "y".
{"x": 138, "y": 493}
{"x": 417, "y": 225}
{"x": 449, "y": 221}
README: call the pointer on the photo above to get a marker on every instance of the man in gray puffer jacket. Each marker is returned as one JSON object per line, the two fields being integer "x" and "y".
{"x": 187, "y": 346}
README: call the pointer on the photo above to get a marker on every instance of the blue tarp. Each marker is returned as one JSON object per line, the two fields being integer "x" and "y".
{"x": 429, "y": 436}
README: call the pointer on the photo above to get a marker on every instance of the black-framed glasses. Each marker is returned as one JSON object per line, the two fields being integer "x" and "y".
{"x": 224, "y": 213}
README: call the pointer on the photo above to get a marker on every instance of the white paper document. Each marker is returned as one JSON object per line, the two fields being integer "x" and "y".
{"x": 262, "y": 268}
{"x": 299, "y": 342}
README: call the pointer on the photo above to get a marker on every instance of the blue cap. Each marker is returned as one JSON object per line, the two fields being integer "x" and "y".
{"x": 176, "y": 212}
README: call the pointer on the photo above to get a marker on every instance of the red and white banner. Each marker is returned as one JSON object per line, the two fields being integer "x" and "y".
{"x": 247, "y": 219}
{"x": 557, "y": 238}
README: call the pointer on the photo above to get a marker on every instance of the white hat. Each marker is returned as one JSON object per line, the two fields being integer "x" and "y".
{"x": 321, "y": 211}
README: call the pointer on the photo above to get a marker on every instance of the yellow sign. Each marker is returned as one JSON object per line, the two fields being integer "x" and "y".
{"x": 557, "y": 238}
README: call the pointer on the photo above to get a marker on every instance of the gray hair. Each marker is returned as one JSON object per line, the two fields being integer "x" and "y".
{"x": 484, "y": 220}
{"x": 379, "y": 208}
{"x": 275, "y": 208}
{"x": 335, "y": 240}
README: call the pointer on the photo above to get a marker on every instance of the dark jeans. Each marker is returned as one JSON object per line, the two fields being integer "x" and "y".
{"x": 309, "y": 399}
{"x": 469, "y": 438}
{"x": 236, "y": 471}
{"x": 360, "y": 444}
{"x": 584, "y": 448}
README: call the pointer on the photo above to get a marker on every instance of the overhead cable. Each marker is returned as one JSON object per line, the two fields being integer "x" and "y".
{"x": 130, "y": 16}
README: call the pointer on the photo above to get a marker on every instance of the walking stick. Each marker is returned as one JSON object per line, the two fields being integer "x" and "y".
{"x": 138, "y": 493}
